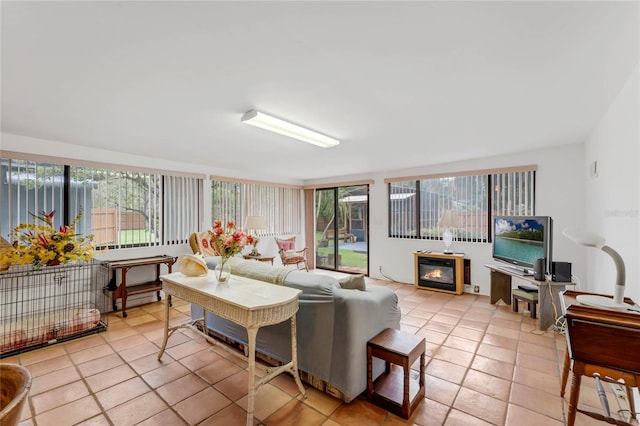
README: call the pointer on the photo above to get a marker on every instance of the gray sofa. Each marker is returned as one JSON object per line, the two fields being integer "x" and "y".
{"x": 333, "y": 326}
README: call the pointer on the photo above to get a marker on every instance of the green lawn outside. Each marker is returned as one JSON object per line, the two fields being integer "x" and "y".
{"x": 350, "y": 258}
{"x": 134, "y": 236}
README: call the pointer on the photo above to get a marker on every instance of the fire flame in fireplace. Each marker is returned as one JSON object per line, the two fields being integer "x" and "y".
{"x": 436, "y": 275}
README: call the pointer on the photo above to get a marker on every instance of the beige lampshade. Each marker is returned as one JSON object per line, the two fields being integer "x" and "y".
{"x": 448, "y": 219}
{"x": 255, "y": 222}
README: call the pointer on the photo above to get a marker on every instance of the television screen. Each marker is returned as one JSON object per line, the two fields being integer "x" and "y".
{"x": 521, "y": 240}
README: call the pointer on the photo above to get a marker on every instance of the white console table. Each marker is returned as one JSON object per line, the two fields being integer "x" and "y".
{"x": 249, "y": 303}
{"x": 548, "y": 293}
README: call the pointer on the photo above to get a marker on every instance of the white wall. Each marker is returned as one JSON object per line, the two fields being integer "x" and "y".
{"x": 559, "y": 193}
{"x": 612, "y": 197}
{"x": 36, "y": 146}
{"x": 564, "y": 202}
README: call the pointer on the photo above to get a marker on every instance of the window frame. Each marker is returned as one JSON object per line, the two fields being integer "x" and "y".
{"x": 511, "y": 179}
{"x": 176, "y": 219}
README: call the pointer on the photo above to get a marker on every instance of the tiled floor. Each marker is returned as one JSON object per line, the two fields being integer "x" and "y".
{"x": 485, "y": 365}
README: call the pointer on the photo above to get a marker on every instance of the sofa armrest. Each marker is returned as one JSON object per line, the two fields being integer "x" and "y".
{"x": 359, "y": 316}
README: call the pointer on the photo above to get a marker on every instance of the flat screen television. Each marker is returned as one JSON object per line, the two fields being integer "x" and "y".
{"x": 521, "y": 240}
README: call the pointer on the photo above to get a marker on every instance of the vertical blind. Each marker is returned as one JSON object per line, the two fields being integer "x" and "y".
{"x": 416, "y": 205}
{"x": 281, "y": 206}
{"x": 120, "y": 208}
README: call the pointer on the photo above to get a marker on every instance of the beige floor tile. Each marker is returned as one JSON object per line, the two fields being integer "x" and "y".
{"x": 182, "y": 388}
{"x": 492, "y": 386}
{"x": 123, "y": 330}
{"x": 99, "y": 365}
{"x": 49, "y": 365}
{"x": 473, "y": 324}
{"x": 139, "y": 351}
{"x": 89, "y": 354}
{"x": 295, "y": 413}
{"x": 485, "y": 364}
{"x": 200, "y": 359}
{"x": 456, "y": 356}
{"x": 537, "y": 379}
{"x": 521, "y": 416}
{"x": 164, "y": 418}
{"x": 497, "y": 353}
{"x": 494, "y": 367}
{"x": 136, "y": 410}
{"x": 218, "y": 370}
{"x": 127, "y": 342}
{"x": 540, "y": 351}
{"x": 467, "y": 333}
{"x": 116, "y": 395}
{"x": 189, "y": 347}
{"x": 230, "y": 415}
{"x": 110, "y": 378}
{"x": 53, "y": 380}
{"x": 321, "y": 402}
{"x": 165, "y": 374}
{"x": 544, "y": 365}
{"x": 202, "y": 405}
{"x": 482, "y": 406}
{"x": 287, "y": 383}
{"x": 235, "y": 386}
{"x": 429, "y": 413}
{"x": 70, "y": 414}
{"x": 461, "y": 343}
{"x": 84, "y": 343}
{"x": 446, "y": 370}
{"x": 359, "y": 412}
{"x": 459, "y": 418}
{"x": 542, "y": 402}
{"x": 440, "y": 390}
{"x": 150, "y": 362}
{"x": 59, "y": 396}
{"x": 99, "y": 420}
{"x": 38, "y": 355}
{"x": 268, "y": 400}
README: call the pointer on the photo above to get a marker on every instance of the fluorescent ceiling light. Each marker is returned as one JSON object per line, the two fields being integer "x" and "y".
{"x": 268, "y": 122}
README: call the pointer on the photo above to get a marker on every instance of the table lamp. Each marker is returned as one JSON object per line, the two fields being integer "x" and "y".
{"x": 255, "y": 223}
{"x": 589, "y": 239}
{"x": 448, "y": 220}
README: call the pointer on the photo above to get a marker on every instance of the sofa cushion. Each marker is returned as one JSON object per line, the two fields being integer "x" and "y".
{"x": 353, "y": 282}
{"x": 311, "y": 284}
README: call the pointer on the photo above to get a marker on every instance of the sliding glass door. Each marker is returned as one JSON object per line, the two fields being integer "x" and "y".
{"x": 342, "y": 228}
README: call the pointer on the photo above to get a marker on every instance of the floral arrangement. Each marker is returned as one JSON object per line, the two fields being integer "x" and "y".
{"x": 41, "y": 244}
{"x": 228, "y": 240}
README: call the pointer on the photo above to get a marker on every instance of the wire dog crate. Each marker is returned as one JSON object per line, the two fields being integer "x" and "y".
{"x": 51, "y": 305}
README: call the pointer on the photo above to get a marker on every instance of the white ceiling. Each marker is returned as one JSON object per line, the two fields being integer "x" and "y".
{"x": 401, "y": 84}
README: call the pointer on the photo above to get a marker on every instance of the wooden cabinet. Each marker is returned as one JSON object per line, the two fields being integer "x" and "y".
{"x": 447, "y": 273}
{"x": 122, "y": 291}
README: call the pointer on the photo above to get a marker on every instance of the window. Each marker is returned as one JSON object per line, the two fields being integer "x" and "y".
{"x": 121, "y": 208}
{"x": 281, "y": 206}
{"x": 416, "y": 205}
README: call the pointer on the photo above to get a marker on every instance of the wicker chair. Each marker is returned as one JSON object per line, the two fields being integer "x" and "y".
{"x": 289, "y": 255}
{"x": 200, "y": 243}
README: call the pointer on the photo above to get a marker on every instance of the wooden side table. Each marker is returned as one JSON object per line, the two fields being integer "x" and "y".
{"x": 260, "y": 258}
{"x": 396, "y": 391}
{"x": 121, "y": 291}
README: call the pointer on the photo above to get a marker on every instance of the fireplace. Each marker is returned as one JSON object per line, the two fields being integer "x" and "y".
{"x": 442, "y": 272}
{"x": 437, "y": 273}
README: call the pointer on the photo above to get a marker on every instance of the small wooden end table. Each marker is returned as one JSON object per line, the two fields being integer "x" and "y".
{"x": 394, "y": 391}
{"x": 260, "y": 258}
